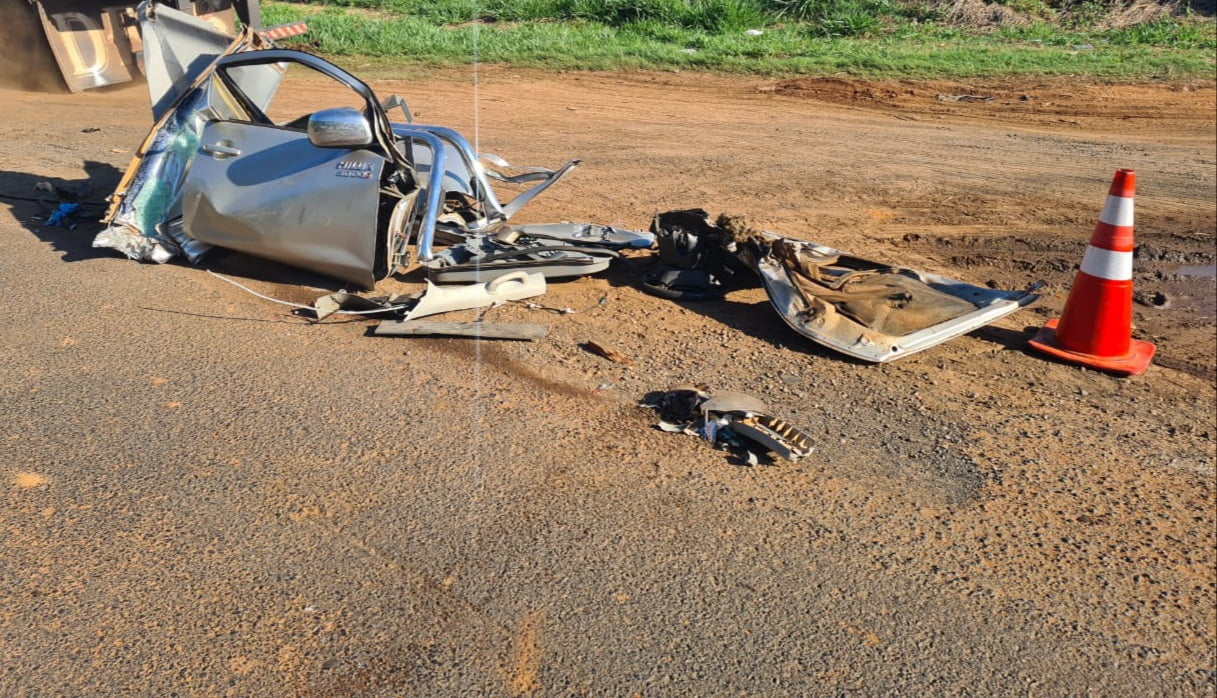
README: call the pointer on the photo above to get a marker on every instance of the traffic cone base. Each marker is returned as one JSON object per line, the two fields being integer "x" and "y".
{"x": 1134, "y": 363}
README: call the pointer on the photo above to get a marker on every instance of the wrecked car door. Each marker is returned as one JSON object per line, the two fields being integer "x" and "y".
{"x": 865, "y": 309}
{"x": 229, "y": 164}
{"x": 316, "y": 190}
{"x": 148, "y": 196}
{"x": 243, "y": 193}
{"x": 868, "y": 310}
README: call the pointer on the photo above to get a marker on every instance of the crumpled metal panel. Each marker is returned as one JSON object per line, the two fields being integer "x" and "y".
{"x": 483, "y": 258}
{"x": 838, "y": 332}
{"x": 178, "y": 48}
{"x": 150, "y": 190}
{"x": 589, "y": 234}
{"x": 285, "y": 199}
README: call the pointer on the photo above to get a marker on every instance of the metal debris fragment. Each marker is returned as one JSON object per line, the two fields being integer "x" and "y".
{"x": 326, "y": 306}
{"x": 731, "y": 421}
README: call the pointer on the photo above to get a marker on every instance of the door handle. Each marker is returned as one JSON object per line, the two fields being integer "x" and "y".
{"x": 220, "y": 151}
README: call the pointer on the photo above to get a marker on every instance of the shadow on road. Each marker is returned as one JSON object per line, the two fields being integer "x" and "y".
{"x": 249, "y": 268}
{"x": 32, "y": 207}
{"x": 1014, "y": 340}
{"x": 756, "y": 319}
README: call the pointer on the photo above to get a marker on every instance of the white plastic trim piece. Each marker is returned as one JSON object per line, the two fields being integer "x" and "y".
{"x": 515, "y": 286}
{"x": 1105, "y": 264}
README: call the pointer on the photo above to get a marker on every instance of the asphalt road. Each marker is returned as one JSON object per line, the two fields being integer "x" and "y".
{"x": 206, "y": 496}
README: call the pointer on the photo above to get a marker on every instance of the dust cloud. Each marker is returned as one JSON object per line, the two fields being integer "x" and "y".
{"x": 26, "y": 61}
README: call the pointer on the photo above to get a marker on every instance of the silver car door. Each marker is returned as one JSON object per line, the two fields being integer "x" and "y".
{"x": 268, "y": 191}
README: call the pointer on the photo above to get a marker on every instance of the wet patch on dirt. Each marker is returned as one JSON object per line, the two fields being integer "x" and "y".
{"x": 1176, "y": 310}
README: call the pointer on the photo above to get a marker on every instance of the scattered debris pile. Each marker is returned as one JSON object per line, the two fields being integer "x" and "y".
{"x": 217, "y": 171}
{"x": 349, "y": 194}
{"x": 556, "y": 250}
{"x": 64, "y": 202}
{"x": 696, "y": 259}
{"x": 340, "y": 191}
{"x": 730, "y": 421}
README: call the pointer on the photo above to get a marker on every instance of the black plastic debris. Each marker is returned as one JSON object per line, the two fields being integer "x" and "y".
{"x": 695, "y": 262}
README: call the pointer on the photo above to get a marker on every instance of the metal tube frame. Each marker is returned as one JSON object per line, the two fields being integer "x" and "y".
{"x": 494, "y": 210}
{"x": 434, "y": 189}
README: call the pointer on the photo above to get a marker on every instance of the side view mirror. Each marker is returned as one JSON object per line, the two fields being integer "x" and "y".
{"x": 342, "y": 127}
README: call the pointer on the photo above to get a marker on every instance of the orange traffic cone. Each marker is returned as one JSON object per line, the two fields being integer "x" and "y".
{"x": 1095, "y": 327}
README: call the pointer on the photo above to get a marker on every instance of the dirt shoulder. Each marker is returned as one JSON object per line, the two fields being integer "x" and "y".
{"x": 205, "y": 493}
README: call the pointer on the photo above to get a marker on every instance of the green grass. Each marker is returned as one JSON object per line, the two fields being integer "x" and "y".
{"x": 870, "y": 38}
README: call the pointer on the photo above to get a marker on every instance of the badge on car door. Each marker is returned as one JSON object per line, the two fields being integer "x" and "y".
{"x": 353, "y": 168}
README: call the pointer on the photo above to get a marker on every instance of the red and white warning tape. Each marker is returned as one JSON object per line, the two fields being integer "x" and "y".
{"x": 284, "y": 31}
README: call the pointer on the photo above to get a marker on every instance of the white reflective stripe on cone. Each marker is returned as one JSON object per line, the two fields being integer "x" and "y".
{"x": 1117, "y": 211}
{"x": 1105, "y": 264}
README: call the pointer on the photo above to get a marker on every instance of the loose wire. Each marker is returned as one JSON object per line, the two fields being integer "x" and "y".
{"x": 301, "y": 306}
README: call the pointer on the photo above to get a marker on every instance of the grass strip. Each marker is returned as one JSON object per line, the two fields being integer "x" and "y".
{"x": 906, "y": 49}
